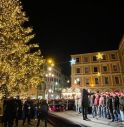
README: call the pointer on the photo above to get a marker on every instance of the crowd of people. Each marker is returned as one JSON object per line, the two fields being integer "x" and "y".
{"x": 109, "y": 105}
{"x": 14, "y": 109}
{"x": 99, "y": 105}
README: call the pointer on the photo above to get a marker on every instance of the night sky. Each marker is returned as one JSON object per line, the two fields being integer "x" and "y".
{"x": 65, "y": 28}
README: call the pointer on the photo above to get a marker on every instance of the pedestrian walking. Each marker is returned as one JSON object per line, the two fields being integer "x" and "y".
{"x": 27, "y": 111}
{"x": 43, "y": 112}
{"x": 18, "y": 104}
{"x": 9, "y": 112}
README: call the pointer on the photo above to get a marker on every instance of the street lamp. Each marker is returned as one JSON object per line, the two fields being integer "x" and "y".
{"x": 49, "y": 68}
{"x": 50, "y": 90}
{"x": 50, "y": 62}
{"x": 56, "y": 83}
{"x": 68, "y": 81}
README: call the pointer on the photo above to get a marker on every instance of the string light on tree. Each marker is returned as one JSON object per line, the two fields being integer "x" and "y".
{"x": 18, "y": 65}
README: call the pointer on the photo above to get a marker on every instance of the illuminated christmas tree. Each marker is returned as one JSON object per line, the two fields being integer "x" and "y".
{"x": 20, "y": 67}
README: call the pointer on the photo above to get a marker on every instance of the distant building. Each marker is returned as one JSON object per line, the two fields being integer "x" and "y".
{"x": 99, "y": 71}
{"x": 51, "y": 83}
{"x": 54, "y": 82}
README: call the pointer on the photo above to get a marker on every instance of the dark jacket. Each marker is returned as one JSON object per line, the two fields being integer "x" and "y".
{"x": 110, "y": 103}
{"x": 115, "y": 102}
{"x": 85, "y": 99}
{"x": 43, "y": 110}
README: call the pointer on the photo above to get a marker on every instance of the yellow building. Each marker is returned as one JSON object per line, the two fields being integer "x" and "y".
{"x": 99, "y": 71}
{"x": 121, "y": 54}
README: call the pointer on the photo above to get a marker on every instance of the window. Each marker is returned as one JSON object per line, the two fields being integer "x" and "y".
{"x": 105, "y": 69}
{"x": 86, "y": 60}
{"x": 59, "y": 80}
{"x": 96, "y": 81}
{"x": 117, "y": 80}
{"x": 104, "y": 57}
{"x": 51, "y": 79}
{"x": 87, "y": 70}
{"x": 87, "y": 81}
{"x": 47, "y": 79}
{"x": 113, "y": 56}
{"x": 115, "y": 68}
{"x": 55, "y": 79}
{"x": 94, "y": 58}
{"x": 77, "y": 60}
{"x": 95, "y": 69}
{"x": 106, "y": 80}
{"x": 78, "y": 70}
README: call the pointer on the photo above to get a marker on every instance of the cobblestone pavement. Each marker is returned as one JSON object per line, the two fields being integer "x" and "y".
{"x": 77, "y": 118}
{"x": 33, "y": 124}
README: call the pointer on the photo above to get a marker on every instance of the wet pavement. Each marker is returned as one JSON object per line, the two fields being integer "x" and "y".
{"x": 72, "y": 119}
{"x": 76, "y": 118}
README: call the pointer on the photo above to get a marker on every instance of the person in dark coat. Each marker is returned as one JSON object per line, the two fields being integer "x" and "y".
{"x": 43, "y": 112}
{"x": 9, "y": 112}
{"x": 115, "y": 105}
{"x": 18, "y": 104}
{"x": 27, "y": 111}
{"x": 110, "y": 107}
{"x": 85, "y": 103}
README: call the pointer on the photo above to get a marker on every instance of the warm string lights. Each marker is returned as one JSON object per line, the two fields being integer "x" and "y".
{"x": 19, "y": 69}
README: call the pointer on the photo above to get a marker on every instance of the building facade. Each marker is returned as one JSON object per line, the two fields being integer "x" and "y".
{"x": 54, "y": 82}
{"x": 121, "y": 53}
{"x": 51, "y": 84}
{"x": 99, "y": 71}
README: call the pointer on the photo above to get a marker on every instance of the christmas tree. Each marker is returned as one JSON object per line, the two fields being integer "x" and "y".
{"x": 20, "y": 66}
